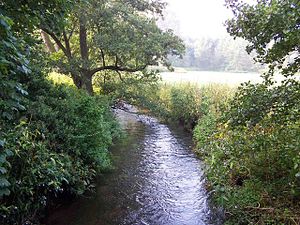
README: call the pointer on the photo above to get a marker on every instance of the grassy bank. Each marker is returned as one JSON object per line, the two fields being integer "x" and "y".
{"x": 182, "y": 103}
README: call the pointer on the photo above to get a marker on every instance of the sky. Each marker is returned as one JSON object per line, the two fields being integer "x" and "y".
{"x": 198, "y": 18}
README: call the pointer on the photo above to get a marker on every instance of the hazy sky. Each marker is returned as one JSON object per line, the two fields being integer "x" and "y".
{"x": 199, "y": 18}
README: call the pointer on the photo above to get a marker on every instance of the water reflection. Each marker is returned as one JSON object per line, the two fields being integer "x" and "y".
{"x": 157, "y": 180}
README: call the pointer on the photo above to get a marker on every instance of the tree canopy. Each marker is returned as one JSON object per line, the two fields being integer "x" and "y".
{"x": 118, "y": 35}
{"x": 272, "y": 28}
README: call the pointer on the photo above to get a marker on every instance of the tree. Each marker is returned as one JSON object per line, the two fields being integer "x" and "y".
{"x": 119, "y": 35}
{"x": 272, "y": 28}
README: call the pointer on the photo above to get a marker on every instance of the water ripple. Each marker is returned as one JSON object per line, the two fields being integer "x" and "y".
{"x": 157, "y": 181}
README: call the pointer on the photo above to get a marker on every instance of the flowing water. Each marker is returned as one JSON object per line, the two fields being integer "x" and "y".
{"x": 157, "y": 180}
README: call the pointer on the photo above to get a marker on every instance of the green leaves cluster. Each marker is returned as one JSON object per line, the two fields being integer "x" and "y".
{"x": 13, "y": 65}
{"x": 120, "y": 35}
{"x": 29, "y": 15}
{"x": 58, "y": 146}
{"x": 253, "y": 153}
{"x": 272, "y": 29}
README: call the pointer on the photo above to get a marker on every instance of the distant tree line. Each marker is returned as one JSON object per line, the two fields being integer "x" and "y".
{"x": 217, "y": 54}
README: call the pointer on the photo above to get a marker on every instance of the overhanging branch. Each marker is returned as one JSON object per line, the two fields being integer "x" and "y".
{"x": 118, "y": 69}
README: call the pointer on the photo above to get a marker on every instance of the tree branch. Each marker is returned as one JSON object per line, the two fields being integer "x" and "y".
{"x": 120, "y": 76}
{"x": 117, "y": 68}
{"x": 83, "y": 41}
{"x": 49, "y": 45}
{"x": 116, "y": 62}
{"x": 57, "y": 41}
{"x": 103, "y": 57}
{"x": 67, "y": 44}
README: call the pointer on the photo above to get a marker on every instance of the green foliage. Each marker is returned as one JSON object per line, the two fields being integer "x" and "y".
{"x": 272, "y": 29}
{"x": 183, "y": 103}
{"x": 53, "y": 139}
{"x": 58, "y": 147}
{"x": 29, "y": 15}
{"x": 12, "y": 66}
{"x": 252, "y": 153}
{"x": 4, "y": 164}
{"x": 107, "y": 35}
{"x": 204, "y": 130}
{"x": 252, "y": 150}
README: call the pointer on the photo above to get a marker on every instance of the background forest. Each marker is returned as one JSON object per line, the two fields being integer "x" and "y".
{"x": 217, "y": 54}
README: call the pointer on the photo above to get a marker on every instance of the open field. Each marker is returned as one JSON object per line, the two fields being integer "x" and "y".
{"x": 207, "y": 77}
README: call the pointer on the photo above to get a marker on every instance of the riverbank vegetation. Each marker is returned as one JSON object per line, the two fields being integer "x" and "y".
{"x": 248, "y": 137}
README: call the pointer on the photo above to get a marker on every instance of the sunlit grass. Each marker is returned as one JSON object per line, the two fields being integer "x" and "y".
{"x": 59, "y": 78}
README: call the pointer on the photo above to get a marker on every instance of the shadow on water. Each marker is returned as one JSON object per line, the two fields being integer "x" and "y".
{"x": 157, "y": 180}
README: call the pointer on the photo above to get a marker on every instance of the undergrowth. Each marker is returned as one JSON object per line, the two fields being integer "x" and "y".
{"x": 252, "y": 154}
{"x": 54, "y": 139}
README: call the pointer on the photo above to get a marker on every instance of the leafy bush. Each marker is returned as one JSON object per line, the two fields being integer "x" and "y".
{"x": 252, "y": 154}
{"x": 59, "y": 145}
{"x": 12, "y": 65}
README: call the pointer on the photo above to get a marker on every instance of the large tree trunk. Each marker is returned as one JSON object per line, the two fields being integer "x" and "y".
{"x": 88, "y": 83}
{"x": 86, "y": 74}
{"x": 84, "y": 81}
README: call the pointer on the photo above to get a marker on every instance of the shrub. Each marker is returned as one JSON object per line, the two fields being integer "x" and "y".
{"x": 59, "y": 146}
{"x": 252, "y": 154}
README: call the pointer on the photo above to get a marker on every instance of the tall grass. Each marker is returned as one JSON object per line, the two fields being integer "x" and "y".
{"x": 183, "y": 103}
{"x": 252, "y": 154}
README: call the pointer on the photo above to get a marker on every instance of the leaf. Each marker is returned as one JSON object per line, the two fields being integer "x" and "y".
{"x": 3, "y": 158}
{"x": 3, "y": 170}
{"x": 7, "y": 115}
{"x": 4, "y": 182}
{"x": 8, "y": 152}
{"x": 4, "y": 191}
{"x": 2, "y": 143}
